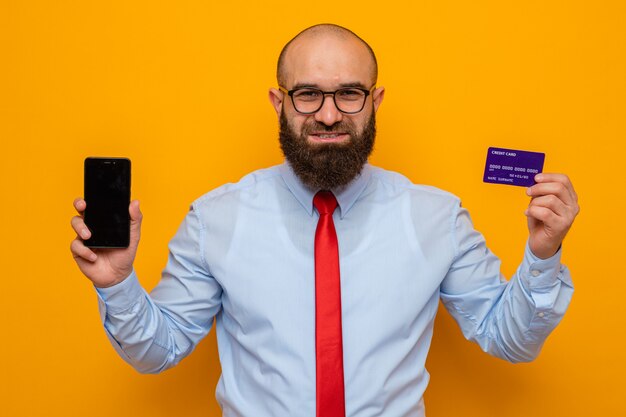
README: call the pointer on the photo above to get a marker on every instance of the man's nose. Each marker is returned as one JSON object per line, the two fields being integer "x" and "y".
{"x": 328, "y": 114}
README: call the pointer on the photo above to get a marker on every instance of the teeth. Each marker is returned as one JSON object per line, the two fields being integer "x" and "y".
{"x": 327, "y": 136}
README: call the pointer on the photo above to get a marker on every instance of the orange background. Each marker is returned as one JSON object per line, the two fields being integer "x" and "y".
{"x": 181, "y": 89}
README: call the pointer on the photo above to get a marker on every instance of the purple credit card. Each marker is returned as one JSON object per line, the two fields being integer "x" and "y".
{"x": 513, "y": 167}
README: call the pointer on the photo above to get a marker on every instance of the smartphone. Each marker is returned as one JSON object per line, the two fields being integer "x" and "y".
{"x": 107, "y": 194}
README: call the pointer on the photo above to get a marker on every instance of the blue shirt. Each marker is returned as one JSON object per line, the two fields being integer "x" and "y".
{"x": 244, "y": 256}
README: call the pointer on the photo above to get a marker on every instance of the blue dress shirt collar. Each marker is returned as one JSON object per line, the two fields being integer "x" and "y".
{"x": 346, "y": 195}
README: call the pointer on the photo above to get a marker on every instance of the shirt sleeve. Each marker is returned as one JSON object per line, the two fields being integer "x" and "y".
{"x": 508, "y": 319}
{"x": 153, "y": 332}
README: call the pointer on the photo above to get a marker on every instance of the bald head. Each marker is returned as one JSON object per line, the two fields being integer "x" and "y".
{"x": 330, "y": 36}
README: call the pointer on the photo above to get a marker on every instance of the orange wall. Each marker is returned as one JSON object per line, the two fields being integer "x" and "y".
{"x": 181, "y": 89}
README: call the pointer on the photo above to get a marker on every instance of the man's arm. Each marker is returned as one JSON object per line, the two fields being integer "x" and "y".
{"x": 512, "y": 319}
{"x": 153, "y": 332}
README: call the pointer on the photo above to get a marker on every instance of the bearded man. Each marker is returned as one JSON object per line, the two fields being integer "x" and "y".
{"x": 324, "y": 274}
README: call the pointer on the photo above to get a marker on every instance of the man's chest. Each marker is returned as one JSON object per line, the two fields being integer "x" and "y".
{"x": 391, "y": 262}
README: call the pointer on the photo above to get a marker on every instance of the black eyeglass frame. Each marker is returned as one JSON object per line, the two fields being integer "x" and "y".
{"x": 290, "y": 93}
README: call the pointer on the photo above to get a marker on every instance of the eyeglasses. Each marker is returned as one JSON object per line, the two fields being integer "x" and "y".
{"x": 309, "y": 100}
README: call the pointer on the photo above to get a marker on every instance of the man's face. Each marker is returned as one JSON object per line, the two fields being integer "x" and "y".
{"x": 327, "y": 163}
{"x": 327, "y": 149}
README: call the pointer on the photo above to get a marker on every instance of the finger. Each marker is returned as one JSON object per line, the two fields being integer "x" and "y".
{"x": 551, "y": 202}
{"x": 135, "y": 220}
{"x": 543, "y": 214}
{"x": 552, "y": 188}
{"x": 134, "y": 211}
{"x": 552, "y": 221}
{"x": 80, "y": 251}
{"x": 560, "y": 178}
{"x": 80, "y": 205}
{"x": 78, "y": 224}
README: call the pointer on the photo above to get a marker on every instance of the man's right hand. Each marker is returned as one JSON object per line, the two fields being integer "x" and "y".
{"x": 105, "y": 267}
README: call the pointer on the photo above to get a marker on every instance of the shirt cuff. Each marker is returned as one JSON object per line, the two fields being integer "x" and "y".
{"x": 123, "y": 295}
{"x": 540, "y": 273}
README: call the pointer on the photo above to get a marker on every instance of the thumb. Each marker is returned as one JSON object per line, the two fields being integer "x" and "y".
{"x": 135, "y": 220}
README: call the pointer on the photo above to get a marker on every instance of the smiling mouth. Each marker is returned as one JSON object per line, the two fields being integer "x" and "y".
{"x": 328, "y": 137}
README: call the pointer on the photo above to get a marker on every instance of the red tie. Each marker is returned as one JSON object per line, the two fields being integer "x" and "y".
{"x": 328, "y": 341}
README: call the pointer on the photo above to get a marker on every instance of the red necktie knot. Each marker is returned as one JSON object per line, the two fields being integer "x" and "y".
{"x": 325, "y": 202}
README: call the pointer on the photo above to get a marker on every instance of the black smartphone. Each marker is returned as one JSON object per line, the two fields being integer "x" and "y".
{"x": 107, "y": 194}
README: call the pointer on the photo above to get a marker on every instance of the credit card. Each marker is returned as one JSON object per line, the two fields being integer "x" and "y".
{"x": 513, "y": 167}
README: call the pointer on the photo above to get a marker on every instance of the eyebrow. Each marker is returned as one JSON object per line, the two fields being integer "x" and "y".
{"x": 353, "y": 84}
{"x": 342, "y": 85}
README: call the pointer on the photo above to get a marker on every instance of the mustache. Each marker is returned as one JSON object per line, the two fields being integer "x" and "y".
{"x": 316, "y": 126}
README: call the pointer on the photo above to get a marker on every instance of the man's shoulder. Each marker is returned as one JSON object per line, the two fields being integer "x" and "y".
{"x": 396, "y": 182}
{"x": 248, "y": 183}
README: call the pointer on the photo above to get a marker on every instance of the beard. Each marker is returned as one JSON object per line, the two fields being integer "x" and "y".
{"x": 327, "y": 166}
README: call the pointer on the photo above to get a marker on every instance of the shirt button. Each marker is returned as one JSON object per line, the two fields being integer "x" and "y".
{"x": 535, "y": 272}
{"x": 540, "y": 314}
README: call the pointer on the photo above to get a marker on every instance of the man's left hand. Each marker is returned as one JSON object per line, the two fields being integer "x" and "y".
{"x": 551, "y": 212}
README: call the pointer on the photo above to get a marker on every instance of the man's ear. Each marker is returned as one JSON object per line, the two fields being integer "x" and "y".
{"x": 377, "y": 97}
{"x": 276, "y": 98}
